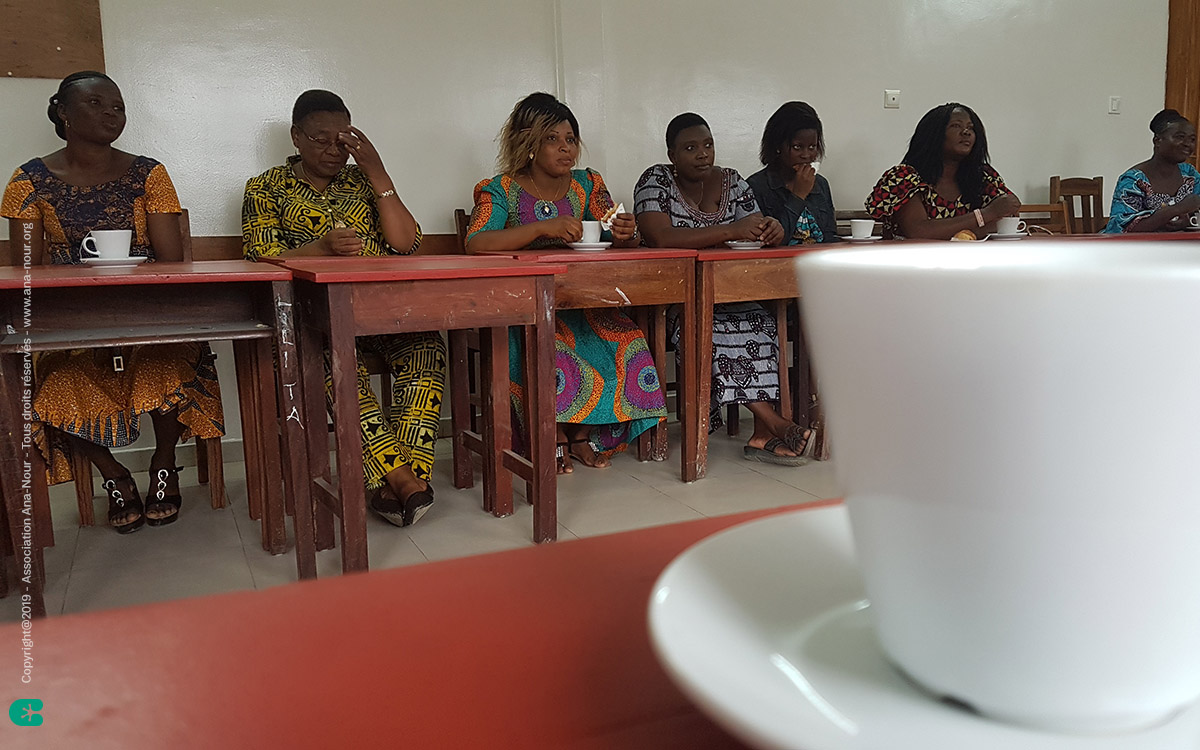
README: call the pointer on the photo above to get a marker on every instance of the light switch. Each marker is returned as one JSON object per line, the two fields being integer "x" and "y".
{"x": 1114, "y": 105}
{"x": 891, "y": 98}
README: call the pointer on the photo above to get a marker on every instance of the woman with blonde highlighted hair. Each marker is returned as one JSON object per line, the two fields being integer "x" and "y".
{"x": 608, "y": 389}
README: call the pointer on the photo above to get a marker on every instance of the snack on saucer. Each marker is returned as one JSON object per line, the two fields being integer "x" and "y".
{"x": 965, "y": 235}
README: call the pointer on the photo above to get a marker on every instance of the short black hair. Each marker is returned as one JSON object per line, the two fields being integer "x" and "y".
{"x": 788, "y": 120}
{"x": 1164, "y": 120}
{"x": 317, "y": 100}
{"x": 681, "y": 123}
{"x": 61, "y": 95}
{"x": 926, "y": 152}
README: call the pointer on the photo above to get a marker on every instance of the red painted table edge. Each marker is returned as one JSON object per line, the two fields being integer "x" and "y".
{"x": 423, "y": 268}
{"x": 195, "y": 272}
{"x": 717, "y": 253}
{"x": 557, "y": 255}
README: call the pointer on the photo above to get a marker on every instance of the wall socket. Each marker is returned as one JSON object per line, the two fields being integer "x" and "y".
{"x": 1114, "y": 105}
{"x": 891, "y": 98}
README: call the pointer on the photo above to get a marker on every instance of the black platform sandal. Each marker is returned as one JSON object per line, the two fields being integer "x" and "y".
{"x": 119, "y": 505}
{"x": 158, "y": 497}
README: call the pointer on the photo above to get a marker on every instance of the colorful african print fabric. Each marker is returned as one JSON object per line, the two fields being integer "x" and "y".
{"x": 604, "y": 372}
{"x": 745, "y": 340}
{"x": 69, "y": 212}
{"x": 1134, "y": 198}
{"x": 902, "y": 183}
{"x": 282, "y": 212}
{"x": 78, "y": 391}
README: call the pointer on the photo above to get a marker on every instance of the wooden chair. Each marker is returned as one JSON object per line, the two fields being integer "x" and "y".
{"x": 1090, "y": 192}
{"x": 1046, "y": 218}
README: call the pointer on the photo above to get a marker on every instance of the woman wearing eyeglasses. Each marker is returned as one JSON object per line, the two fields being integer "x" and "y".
{"x": 318, "y": 204}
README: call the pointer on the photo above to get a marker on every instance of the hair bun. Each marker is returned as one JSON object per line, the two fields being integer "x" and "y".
{"x": 1163, "y": 120}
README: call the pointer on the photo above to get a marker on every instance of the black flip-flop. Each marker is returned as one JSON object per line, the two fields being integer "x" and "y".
{"x": 767, "y": 454}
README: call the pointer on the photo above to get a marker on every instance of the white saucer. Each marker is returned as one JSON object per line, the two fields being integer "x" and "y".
{"x": 132, "y": 260}
{"x": 743, "y": 245}
{"x": 1015, "y": 236}
{"x": 765, "y": 627}
{"x": 863, "y": 240}
{"x": 589, "y": 245}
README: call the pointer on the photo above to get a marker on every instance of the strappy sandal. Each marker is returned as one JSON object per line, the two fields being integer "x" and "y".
{"x": 562, "y": 461}
{"x": 119, "y": 505}
{"x": 584, "y": 460}
{"x": 158, "y": 496}
{"x": 767, "y": 454}
{"x": 402, "y": 512}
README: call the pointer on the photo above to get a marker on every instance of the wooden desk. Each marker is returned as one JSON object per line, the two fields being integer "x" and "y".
{"x": 392, "y": 657}
{"x": 637, "y": 277}
{"x": 341, "y": 298}
{"x": 81, "y": 307}
{"x": 765, "y": 275}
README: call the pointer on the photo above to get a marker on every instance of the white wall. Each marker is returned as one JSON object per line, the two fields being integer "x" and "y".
{"x": 210, "y": 84}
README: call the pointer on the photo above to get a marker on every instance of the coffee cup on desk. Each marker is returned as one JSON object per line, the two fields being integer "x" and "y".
{"x": 861, "y": 228}
{"x": 1024, "y": 551}
{"x": 591, "y": 232}
{"x": 106, "y": 243}
{"x": 1010, "y": 225}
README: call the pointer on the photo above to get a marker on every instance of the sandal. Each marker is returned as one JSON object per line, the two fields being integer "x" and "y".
{"x": 402, "y": 512}
{"x": 157, "y": 497}
{"x": 119, "y": 505}
{"x": 590, "y": 463}
{"x": 767, "y": 454}
{"x": 801, "y": 440}
{"x": 562, "y": 461}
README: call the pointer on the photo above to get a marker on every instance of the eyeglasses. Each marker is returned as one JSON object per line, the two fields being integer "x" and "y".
{"x": 324, "y": 142}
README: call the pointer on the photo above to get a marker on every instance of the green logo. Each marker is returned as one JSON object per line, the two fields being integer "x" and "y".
{"x": 26, "y": 712}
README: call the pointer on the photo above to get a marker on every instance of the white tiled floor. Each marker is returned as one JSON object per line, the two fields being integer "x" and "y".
{"x": 207, "y": 551}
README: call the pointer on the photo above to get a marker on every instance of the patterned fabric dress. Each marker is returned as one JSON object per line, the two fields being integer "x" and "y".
{"x": 78, "y": 391}
{"x": 282, "y": 212}
{"x": 745, "y": 339}
{"x": 604, "y": 372}
{"x": 1134, "y": 198}
{"x": 901, "y": 183}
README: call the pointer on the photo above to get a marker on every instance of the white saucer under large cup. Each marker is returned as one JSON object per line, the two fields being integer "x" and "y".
{"x": 132, "y": 260}
{"x": 1017, "y": 426}
{"x": 589, "y": 246}
{"x": 764, "y": 627}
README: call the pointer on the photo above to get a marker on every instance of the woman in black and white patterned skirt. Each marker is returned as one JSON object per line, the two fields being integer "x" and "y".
{"x": 691, "y": 202}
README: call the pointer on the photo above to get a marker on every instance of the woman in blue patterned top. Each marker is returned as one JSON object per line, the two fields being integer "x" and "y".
{"x": 1161, "y": 193}
{"x": 788, "y": 187}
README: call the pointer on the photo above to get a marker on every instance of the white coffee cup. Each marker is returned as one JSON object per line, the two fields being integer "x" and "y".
{"x": 1010, "y": 225}
{"x": 861, "y": 228}
{"x": 1015, "y": 432}
{"x": 591, "y": 232}
{"x": 106, "y": 243}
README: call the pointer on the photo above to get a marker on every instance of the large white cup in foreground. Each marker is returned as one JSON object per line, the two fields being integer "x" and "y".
{"x": 1017, "y": 432}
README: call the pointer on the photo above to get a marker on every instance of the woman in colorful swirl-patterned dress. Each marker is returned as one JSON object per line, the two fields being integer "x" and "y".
{"x": 91, "y": 400}
{"x": 608, "y": 389}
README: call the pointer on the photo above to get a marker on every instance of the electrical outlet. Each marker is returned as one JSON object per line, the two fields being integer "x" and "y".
{"x": 1114, "y": 105}
{"x": 891, "y": 98}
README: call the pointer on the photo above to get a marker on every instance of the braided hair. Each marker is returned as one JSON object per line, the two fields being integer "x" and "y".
{"x": 926, "y": 152}
{"x": 59, "y": 97}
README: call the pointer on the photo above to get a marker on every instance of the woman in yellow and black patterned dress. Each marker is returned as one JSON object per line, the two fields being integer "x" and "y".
{"x": 91, "y": 400}
{"x": 318, "y": 204}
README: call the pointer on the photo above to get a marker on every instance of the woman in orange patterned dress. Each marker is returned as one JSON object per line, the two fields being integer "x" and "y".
{"x": 91, "y": 400}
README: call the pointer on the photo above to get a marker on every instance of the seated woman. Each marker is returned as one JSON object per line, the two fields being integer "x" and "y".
{"x": 1163, "y": 192}
{"x": 788, "y": 188}
{"x": 946, "y": 169}
{"x": 694, "y": 203}
{"x": 608, "y": 387}
{"x": 91, "y": 400}
{"x": 317, "y": 204}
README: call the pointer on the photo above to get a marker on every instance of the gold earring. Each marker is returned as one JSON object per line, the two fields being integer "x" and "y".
{"x": 530, "y": 156}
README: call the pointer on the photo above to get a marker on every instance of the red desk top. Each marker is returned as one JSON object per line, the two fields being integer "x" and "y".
{"x": 790, "y": 251}
{"x": 411, "y": 268}
{"x": 567, "y": 255}
{"x": 541, "y": 647}
{"x": 197, "y": 272}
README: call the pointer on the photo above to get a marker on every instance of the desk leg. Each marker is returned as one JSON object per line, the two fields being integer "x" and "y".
{"x": 497, "y": 427}
{"x": 779, "y": 310}
{"x": 294, "y": 420}
{"x": 460, "y": 408}
{"x": 19, "y": 499}
{"x": 274, "y": 515}
{"x": 539, "y": 390}
{"x": 697, "y": 366}
{"x": 312, "y": 390}
{"x": 243, "y": 356}
{"x": 658, "y": 345}
{"x": 641, "y": 318}
{"x": 347, "y": 429}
